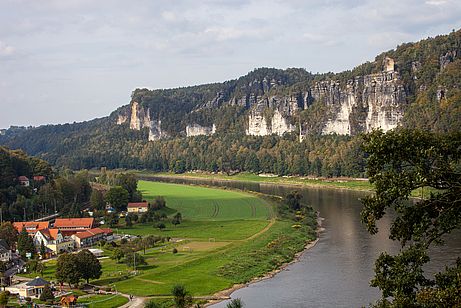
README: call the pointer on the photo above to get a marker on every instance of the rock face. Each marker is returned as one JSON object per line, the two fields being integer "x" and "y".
{"x": 322, "y": 107}
{"x": 139, "y": 117}
{"x": 374, "y": 101}
{"x": 271, "y": 116}
{"x": 197, "y": 130}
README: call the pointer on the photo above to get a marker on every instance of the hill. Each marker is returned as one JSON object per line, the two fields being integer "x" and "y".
{"x": 270, "y": 120}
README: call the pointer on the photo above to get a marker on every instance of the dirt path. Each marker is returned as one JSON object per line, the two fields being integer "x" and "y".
{"x": 136, "y": 302}
{"x": 261, "y": 231}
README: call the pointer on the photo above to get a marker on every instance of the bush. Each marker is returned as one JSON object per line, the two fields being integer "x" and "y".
{"x": 175, "y": 250}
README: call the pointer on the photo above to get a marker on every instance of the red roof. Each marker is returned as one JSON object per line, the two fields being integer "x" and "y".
{"x": 83, "y": 223}
{"x": 107, "y": 231}
{"x": 89, "y": 233}
{"x": 50, "y": 233}
{"x": 31, "y": 226}
{"x": 39, "y": 178}
{"x": 137, "y": 204}
{"x": 23, "y": 178}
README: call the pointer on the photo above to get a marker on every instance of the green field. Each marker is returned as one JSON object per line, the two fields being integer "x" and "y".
{"x": 200, "y": 203}
{"x": 241, "y": 241}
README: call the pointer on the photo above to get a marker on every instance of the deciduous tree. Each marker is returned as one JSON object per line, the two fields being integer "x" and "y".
{"x": 399, "y": 163}
{"x": 89, "y": 265}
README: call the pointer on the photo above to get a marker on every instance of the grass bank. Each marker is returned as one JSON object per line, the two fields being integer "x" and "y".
{"x": 341, "y": 183}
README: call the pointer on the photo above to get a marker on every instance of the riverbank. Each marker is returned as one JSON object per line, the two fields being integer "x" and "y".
{"x": 226, "y": 294}
{"x": 338, "y": 183}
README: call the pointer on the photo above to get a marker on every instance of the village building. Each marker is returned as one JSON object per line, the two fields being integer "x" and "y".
{"x": 53, "y": 240}
{"x": 138, "y": 207}
{"x": 91, "y": 237}
{"x": 70, "y": 226}
{"x": 39, "y": 178}
{"x": 24, "y": 180}
{"x": 5, "y": 251}
{"x": 31, "y": 226}
{"x": 31, "y": 288}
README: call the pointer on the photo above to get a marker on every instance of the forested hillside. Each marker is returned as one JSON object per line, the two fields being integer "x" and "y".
{"x": 279, "y": 121}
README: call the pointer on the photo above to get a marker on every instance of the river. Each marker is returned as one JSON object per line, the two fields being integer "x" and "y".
{"x": 336, "y": 272}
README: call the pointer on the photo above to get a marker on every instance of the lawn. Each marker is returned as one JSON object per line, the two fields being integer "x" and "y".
{"x": 199, "y": 203}
{"x": 103, "y": 301}
{"x": 217, "y": 230}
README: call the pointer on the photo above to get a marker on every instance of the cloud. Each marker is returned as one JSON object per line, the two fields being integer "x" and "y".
{"x": 5, "y": 49}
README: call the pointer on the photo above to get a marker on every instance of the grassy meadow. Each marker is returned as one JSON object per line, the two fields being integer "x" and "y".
{"x": 226, "y": 237}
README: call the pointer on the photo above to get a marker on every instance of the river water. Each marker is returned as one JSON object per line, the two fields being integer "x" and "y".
{"x": 336, "y": 272}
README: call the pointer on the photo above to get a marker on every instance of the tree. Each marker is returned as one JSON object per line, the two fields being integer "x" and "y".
{"x": 161, "y": 226}
{"x": 42, "y": 250}
{"x": 235, "y": 303}
{"x": 97, "y": 200}
{"x": 134, "y": 259}
{"x": 118, "y": 197}
{"x": 118, "y": 255}
{"x": 46, "y": 294}
{"x": 89, "y": 265}
{"x": 25, "y": 244}
{"x": 177, "y": 218}
{"x": 399, "y": 163}
{"x": 67, "y": 269}
{"x": 181, "y": 296}
{"x": 9, "y": 233}
{"x": 112, "y": 219}
{"x": 293, "y": 200}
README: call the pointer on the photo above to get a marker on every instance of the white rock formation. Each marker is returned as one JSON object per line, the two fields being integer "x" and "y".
{"x": 197, "y": 130}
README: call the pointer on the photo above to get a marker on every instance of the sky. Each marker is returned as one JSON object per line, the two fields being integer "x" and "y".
{"x": 74, "y": 60}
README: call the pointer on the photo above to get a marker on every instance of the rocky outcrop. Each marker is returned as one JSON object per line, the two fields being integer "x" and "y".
{"x": 139, "y": 118}
{"x": 374, "y": 101}
{"x": 447, "y": 58}
{"x": 197, "y": 130}
{"x": 271, "y": 116}
{"x": 332, "y": 106}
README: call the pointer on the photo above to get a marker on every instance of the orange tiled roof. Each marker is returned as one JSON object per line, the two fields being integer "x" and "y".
{"x": 89, "y": 233}
{"x": 50, "y": 233}
{"x": 31, "y": 226}
{"x": 74, "y": 223}
{"x": 138, "y": 204}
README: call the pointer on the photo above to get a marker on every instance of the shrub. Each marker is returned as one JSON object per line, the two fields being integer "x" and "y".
{"x": 175, "y": 250}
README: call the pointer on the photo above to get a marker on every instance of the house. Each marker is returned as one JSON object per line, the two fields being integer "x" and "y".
{"x": 90, "y": 237}
{"x": 31, "y": 288}
{"x": 5, "y": 251}
{"x": 54, "y": 240}
{"x": 70, "y": 226}
{"x": 39, "y": 178}
{"x": 31, "y": 226}
{"x": 24, "y": 180}
{"x": 138, "y": 207}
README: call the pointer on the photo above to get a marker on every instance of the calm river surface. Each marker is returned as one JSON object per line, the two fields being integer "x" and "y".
{"x": 337, "y": 270}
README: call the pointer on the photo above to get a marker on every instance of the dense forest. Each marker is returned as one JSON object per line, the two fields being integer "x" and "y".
{"x": 430, "y": 73}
